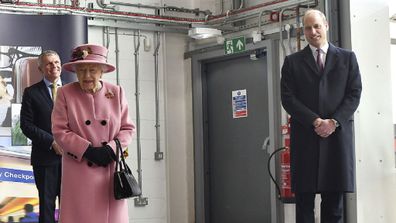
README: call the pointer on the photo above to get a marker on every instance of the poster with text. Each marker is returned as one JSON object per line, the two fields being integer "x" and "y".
{"x": 18, "y": 69}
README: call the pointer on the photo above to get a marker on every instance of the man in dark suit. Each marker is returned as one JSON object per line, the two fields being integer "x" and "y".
{"x": 321, "y": 91}
{"x": 37, "y": 104}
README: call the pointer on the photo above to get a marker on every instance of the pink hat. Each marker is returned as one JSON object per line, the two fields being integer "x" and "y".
{"x": 89, "y": 53}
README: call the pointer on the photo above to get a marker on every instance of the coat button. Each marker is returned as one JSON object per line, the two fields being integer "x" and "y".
{"x": 87, "y": 122}
{"x": 103, "y": 122}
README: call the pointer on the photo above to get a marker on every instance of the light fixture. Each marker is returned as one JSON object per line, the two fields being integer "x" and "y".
{"x": 203, "y": 32}
{"x": 256, "y": 36}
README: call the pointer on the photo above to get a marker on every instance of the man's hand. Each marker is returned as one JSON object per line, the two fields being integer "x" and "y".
{"x": 317, "y": 122}
{"x": 56, "y": 147}
{"x": 324, "y": 127}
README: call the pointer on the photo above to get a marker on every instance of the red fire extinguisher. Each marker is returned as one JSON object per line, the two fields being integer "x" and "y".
{"x": 286, "y": 194}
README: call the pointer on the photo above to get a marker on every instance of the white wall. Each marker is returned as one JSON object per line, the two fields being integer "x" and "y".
{"x": 168, "y": 184}
{"x": 179, "y": 131}
{"x": 376, "y": 177}
{"x": 393, "y": 65}
{"x": 154, "y": 172}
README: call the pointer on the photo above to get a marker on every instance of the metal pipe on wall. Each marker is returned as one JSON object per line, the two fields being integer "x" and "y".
{"x": 117, "y": 55}
{"x": 104, "y": 6}
{"x": 236, "y": 15}
{"x": 107, "y": 37}
{"x": 138, "y": 5}
{"x": 253, "y": 11}
{"x": 158, "y": 154}
{"x": 136, "y": 43}
{"x": 29, "y": 8}
{"x": 241, "y": 5}
{"x": 281, "y": 32}
{"x": 299, "y": 27}
{"x": 288, "y": 28}
{"x": 104, "y": 36}
{"x": 259, "y": 20}
{"x": 140, "y": 201}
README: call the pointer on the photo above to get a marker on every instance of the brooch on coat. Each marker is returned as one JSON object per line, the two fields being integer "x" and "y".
{"x": 125, "y": 153}
{"x": 109, "y": 94}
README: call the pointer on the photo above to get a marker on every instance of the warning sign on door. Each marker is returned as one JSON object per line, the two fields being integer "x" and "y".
{"x": 239, "y": 104}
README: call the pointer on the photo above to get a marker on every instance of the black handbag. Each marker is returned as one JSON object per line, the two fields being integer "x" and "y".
{"x": 125, "y": 184}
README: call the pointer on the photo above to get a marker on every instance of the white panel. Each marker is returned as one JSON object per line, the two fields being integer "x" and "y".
{"x": 376, "y": 178}
{"x": 178, "y": 131}
{"x": 156, "y": 209}
{"x": 393, "y": 28}
{"x": 148, "y": 149}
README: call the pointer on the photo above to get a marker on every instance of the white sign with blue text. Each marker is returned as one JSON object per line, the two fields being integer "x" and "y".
{"x": 239, "y": 104}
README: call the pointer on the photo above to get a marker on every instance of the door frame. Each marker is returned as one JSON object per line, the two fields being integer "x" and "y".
{"x": 198, "y": 63}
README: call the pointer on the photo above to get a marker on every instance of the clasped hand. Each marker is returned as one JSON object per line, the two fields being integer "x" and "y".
{"x": 324, "y": 127}
{"x": 100, "y": 156}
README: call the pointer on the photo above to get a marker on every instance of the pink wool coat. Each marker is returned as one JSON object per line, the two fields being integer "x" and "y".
{"x": 80, "y": 119}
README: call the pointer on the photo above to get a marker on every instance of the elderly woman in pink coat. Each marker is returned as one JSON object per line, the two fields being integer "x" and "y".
{"x": 88, "y": 115}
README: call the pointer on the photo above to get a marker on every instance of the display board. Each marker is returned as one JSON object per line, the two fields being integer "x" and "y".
{"x": 19, "y": 49}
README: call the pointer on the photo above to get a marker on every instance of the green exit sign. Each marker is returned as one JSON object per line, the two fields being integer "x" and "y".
{"x": 235, "y": 45}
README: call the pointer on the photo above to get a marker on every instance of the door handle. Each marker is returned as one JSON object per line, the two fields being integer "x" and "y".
{"x": 266, "y": 143}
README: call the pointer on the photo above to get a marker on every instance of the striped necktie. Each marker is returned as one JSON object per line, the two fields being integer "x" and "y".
{"x": 319, "y": 60}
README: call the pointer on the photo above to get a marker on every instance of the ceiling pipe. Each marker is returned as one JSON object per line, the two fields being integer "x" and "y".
{"x": 220, "y": 20}
{"x": 29, "y": 8}
{"x": 253, "y": 11}
{"x": 221, "y": 6}
{"x": 241, "y": 5}
{"x": 259, "y": 30}
{"x": 113, "y": 5}
{"x": 105, "y": 6}
{"x": 136, "y": 5}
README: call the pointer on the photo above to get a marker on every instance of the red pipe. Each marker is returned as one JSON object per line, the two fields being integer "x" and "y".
{"x": 246, "y": 9}
{"x": 111, "y": 12}
{"x": 165, "y": 18}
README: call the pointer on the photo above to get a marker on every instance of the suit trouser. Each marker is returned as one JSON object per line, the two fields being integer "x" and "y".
{"x": 331, "y": 207}
{"x": 47, "y": 180}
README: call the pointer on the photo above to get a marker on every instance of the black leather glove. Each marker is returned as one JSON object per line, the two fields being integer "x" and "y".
{"x": 100, "y": 156}
{"x": 110, "y": 152}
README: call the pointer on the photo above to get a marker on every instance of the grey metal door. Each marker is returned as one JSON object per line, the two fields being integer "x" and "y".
{"x": 236, "y": 180}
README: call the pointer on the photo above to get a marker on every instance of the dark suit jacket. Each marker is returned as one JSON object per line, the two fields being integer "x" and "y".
{"x": 321, "y": 164}
{"x": 36, "y": 123}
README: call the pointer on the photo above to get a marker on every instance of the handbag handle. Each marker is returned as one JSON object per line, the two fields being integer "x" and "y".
{"x": 119, "y": 154}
